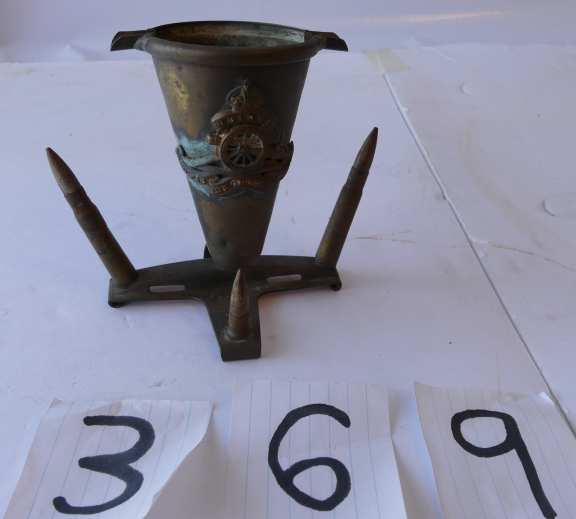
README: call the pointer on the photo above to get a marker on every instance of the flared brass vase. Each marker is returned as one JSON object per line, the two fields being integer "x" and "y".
{"x": 232, "y": 91}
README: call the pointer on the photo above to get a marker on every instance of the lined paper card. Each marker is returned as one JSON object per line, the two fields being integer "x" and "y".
{"x": 499, "y": 456}
{"x": 106, "y": 460}
{"x": 16, "y": 435}
{"x": 310, "y": 450}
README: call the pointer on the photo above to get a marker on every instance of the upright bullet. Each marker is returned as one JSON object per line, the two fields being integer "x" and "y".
{"x": 92, "y": 223}
{"x": 346, "y": 205}
{"x": 239, "y": 312}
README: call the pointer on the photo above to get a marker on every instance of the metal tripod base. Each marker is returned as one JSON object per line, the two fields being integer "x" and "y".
{"x": 203, "y": 280}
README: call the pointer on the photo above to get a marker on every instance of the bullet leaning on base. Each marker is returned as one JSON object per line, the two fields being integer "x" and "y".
{"x": 92, "y": 223}
{"x": 343, "y": 213}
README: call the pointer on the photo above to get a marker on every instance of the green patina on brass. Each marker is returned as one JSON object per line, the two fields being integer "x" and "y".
{"x": 232, "y": 91}
{"x": 196, "y": 152}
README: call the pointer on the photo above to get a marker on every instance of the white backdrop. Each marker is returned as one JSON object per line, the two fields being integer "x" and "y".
{"x": 36, "y": 30}
{"x": 453, "y": 264}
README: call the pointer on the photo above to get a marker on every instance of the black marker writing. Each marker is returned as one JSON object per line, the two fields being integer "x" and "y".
{"x": 285, "y": 478}
{"x": 512, "y": 442}
{"x": 116, "y": 465}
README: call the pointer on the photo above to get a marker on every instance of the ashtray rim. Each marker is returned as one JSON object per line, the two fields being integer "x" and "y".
{"x": 155, "y": 42}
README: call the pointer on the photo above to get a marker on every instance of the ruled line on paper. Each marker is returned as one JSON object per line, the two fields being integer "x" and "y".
{"x": 52, "y": 467}
{"x": 499, "y": 493}
{"x": 568, "y": 457}
{"x": 517, "y": 458}
{"x": 54, "y": 444}
{"x": 366, "y": 452}
{"x": 466, "y": 462}
{"x": 452, "y": 492}
{"x": 70, "y": 465}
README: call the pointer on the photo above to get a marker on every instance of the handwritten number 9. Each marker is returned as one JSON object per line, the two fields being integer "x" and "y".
{"x": 116, "y": 465}
{"x": 512, "y": 442}
{"x": 285, "y": 477}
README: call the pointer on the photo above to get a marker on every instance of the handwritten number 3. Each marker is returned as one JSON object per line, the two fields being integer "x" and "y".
{"x": 512, "y": 442}
{"x": 285, "y": 477}
{"x": 116, "y": 465}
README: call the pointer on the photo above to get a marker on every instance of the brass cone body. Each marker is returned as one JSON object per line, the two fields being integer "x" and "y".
{"x": 232, "y": 91}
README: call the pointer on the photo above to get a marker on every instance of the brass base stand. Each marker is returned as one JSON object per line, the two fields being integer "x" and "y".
{"x": 202, "y": 280}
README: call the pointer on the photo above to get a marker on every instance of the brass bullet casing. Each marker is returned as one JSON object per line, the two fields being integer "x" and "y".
{"x": 238, "y": 327}
{"x": 92, "y": 223}
{"x": 343, "y": 214}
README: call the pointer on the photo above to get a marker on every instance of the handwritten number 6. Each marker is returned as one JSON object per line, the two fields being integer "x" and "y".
{"x": 512, "y": 442}
{"x": 116, "y": 465}
{"x": 285, "y": 477}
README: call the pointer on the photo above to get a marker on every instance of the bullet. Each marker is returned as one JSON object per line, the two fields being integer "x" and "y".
{"x": 239, "y": 312}
{"x": 341, "y": 219}
{"x": 111, "y": 254}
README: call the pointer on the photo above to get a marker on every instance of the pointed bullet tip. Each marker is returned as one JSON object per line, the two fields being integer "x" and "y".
{"x": 366, "y": 154}
{"x": 372, "y": 137}
{"x": 62, "y": 173}
{"x": 51, "y": 154}
{"x": 238, "y": 294}
{"x": 239, "y": 312}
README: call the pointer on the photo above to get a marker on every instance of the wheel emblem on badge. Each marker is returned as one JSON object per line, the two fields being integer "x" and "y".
{"x": 242, "y": 148}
